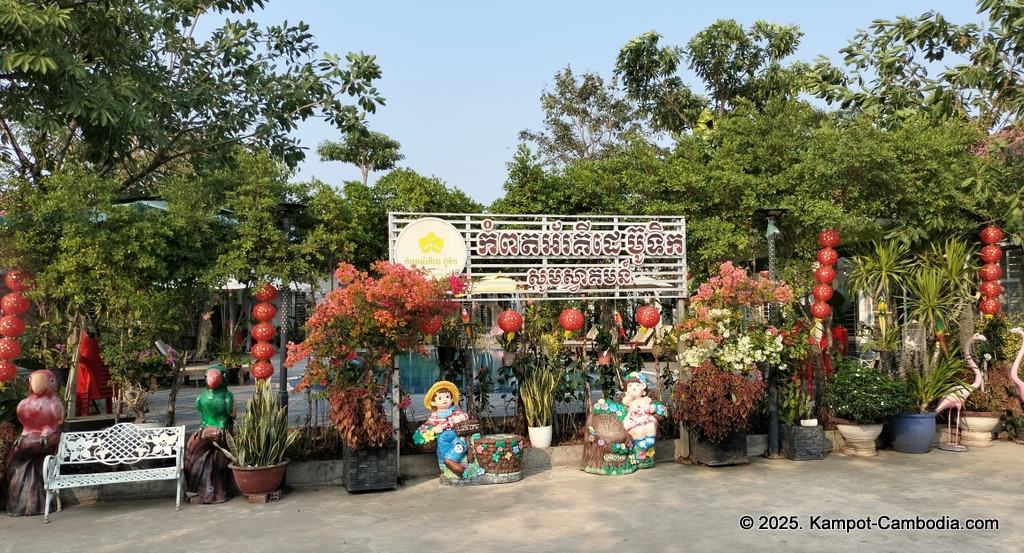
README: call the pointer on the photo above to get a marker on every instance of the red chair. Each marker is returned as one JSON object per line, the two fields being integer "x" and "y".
{"x": 93, "y": 378}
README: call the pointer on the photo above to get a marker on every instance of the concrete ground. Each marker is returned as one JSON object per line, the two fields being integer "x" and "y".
{"x": 672, "y": 507}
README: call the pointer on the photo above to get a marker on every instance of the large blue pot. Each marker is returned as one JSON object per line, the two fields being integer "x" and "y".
{"x": 911, "y": 433}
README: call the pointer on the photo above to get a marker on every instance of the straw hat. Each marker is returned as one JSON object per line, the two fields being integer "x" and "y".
{"x": 442, "y": 385}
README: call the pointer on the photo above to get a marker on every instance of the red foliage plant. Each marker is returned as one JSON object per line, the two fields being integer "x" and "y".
{"x": 714, "y": 402}
{"x": 358, "y": 412}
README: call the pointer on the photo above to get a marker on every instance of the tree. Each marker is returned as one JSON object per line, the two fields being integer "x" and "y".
{"x": 370, "y": 151}
{"x": 126, "y": 90}
{"x": 733, "y": 63}
{"x": 584, "y": 119}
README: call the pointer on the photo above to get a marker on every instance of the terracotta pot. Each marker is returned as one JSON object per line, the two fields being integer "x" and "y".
{"x": 509, "y": 358}
{"x": 259, "y": 480}
{"x": 604, "y": 358}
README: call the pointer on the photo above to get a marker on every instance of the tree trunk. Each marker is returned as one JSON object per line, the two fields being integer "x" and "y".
{"x": 172, "y": 398}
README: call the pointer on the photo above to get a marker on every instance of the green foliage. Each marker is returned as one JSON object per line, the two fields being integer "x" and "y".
{"x": 794, "y": 403}
{"x": 370, "y": 151}
{"x": 930, "y": 384}
{"x": 865, "y": 395}
{"x": 538, "y": 388}
{"x": 11, "y": 394}
{"x": 262, "y": 436}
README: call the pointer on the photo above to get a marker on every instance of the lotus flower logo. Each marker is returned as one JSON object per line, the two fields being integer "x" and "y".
{"x": 431, "y": 243}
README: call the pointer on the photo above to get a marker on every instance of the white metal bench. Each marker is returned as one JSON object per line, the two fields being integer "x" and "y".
{"x": 121, "y": 444}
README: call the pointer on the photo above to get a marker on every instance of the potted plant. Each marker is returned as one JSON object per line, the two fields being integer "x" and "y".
{"x": 448, "y": 338}
{"x": 713, "y": 405}
{"x": 802, "y": 438}
{"x": 538, "y": 392}
{"x": 862, "y": 399}
{"x": 984, "y": 407}
{"x": 257, "y": 447}
{"x": 352, "y": 338}
{"x": 928, "y": 382}
{"x": 509, "y": 347}
{"x": 1015, "y": 428}
{"x": 603, "y": 346}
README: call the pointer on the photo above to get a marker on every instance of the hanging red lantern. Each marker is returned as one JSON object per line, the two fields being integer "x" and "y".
{"x": 991, "y": 235}
{"x": 827, "y": 256}
{"x": 264, "y": 312}
{"x": 990, "y": 289}
{"x": 648, "y": 317}
{"x": 266, "y": 293}
{"x": 990, "y": 271}
{"x": 571, "y": 320}
{"x": 510, "y": 321}
{"x": 11, "y": 326}
{"x": 991, "y": 254}
{"x": 262, "y": 369}
{"x": 8, "y": 371}
{"x": 263, "y": 351}
{"x": 9, "y": 349}
{"x": 822, "y": 292}
{"x": 829, "y": 238}
{"x": 264, "y": 332}
{"x": 19, "y": 281}
{"x": 431, "y": 325}
{"x": 989, "y": 307}
{"x": 825, "y": 274}
{"x": 820, "y": 310}
{"x": 15, "y": 304}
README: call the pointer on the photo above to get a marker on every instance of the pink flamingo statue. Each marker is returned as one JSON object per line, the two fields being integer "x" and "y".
{"x": 959, "y": 395}
{"x": 1016, "y": 364}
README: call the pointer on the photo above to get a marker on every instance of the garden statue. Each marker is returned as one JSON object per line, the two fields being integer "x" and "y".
{"x": 464, "y": 456}
{"x": 641, "y": 418}
{"x": 442, "y": 399}
{"x": 41, "y": 414}
{"x": 206, "y": 466}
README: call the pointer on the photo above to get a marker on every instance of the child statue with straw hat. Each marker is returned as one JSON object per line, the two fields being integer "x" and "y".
{"x": 442, "y": 399}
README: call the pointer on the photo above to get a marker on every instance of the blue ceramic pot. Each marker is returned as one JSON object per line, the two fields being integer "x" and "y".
{"x": 911, "y": 433}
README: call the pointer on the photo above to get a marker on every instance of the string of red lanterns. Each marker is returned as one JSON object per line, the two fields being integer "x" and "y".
{"x": 571, "y": 320}
{"x": 263, "y": 351}
{"x": 11, "y": 324}
{"x": 825, "y": 274}
{"x": 990, "y": 271}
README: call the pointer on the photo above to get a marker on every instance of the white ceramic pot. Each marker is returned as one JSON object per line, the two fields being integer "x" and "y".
{"x": 860, "y": 439}
{"x": 976, "y": 429}
{"x": 540, "y": 436}
{"x": 809, "y": 422}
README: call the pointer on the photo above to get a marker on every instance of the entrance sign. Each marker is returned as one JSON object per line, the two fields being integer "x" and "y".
{"x": 432, "y": 244}
{"x": 553, "y": 256}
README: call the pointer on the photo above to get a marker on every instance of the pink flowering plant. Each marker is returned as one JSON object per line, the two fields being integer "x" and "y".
{"x": 724, "y": 322}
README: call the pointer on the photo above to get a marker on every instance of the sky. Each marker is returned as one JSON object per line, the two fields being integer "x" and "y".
{"x": 462, "y": 79}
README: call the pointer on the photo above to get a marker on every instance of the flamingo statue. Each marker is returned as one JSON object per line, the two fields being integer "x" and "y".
{"x": 1016, "y": 363}
{"x": 958, "y": 396}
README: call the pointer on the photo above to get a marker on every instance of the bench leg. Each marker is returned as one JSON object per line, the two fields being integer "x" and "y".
{"x": 46, "y": 509}
{"x": 177, "y": 498}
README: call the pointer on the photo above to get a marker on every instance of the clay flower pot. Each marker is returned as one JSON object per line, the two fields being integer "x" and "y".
{"x": 259, "y": 480}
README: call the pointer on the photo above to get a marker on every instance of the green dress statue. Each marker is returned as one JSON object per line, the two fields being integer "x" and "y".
{"x": 206, "y": 466}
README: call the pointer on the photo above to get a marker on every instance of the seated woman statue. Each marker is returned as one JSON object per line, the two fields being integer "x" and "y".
{"x": 206, "y": 466}
{"x": 41, "y": 415}
{"x": 642, "y": 418}
{"x": 442, "y": 399}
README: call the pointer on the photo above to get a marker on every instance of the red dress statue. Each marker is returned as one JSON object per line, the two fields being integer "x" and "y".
{"x": 41, "y": 415}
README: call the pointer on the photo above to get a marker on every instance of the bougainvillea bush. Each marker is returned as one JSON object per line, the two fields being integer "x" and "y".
{"x": 355, "y": 332}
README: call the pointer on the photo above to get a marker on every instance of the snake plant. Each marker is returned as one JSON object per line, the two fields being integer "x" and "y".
{"x": 262, "y": 437}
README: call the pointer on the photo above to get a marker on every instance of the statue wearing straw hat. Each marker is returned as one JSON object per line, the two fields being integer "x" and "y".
{"x": 442, "y": 399}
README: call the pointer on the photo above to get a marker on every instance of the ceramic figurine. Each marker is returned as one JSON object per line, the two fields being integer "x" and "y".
{"x": 206, "y": 466}
{"x": 620, "y": 436}
{"x": 442, "y": 400}
{"x": 41, "y": 414}
{"x": 641, "y": 419}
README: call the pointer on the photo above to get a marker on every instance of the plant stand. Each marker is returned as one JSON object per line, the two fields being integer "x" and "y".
{"x": 976, "y": 429}
{"x": 732, "y": 450}
{"x": 803, "y": 443}
{"x": 371, "y": 469}
{"x": 860, "y": 439}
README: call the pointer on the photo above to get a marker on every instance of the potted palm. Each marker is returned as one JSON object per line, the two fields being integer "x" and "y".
{"x": 538, "y": 392}
{"x": 928, "y": 382}
{"x": 862, "y": 399}
{"x": 352, "y": 339}
{"x": 257, "y": 447}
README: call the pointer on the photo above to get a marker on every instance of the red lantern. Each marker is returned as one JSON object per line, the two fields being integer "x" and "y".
{"x": 9, "y": 349}
{"x": 266, "y": 293}
{"x": 431, "y": 325}
{"x": 989, "y": 307}
{"x": 829, "y": 238}
{"x": 825, "y": 274}
{"x": 15, "y": 304}
{"x": 264, "y": 312}
{"x": 991, "y": 235}
{"x": 8, "y": 371}
{"x": 990, "y": 288}
{"x": 820, "y": 310}
{"x": 263, "y": 351}
{"x": 264, "y": 332}
{"x": 822, "y": 292}
{"x": 510, "y": 321}
{"x": 648, "y": 317}
{"x": 571, "y": 320}
{"x": 18, "y": 281}
{"x": 262, "y": 369}
{"x": 991, "y": 254}
{"x": 827, "y": 256}
{"x": 11, "y": 326}
{"x": 990, "y": 271}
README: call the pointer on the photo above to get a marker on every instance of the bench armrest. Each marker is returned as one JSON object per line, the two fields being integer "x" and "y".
{"x": 51, "y": 470}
